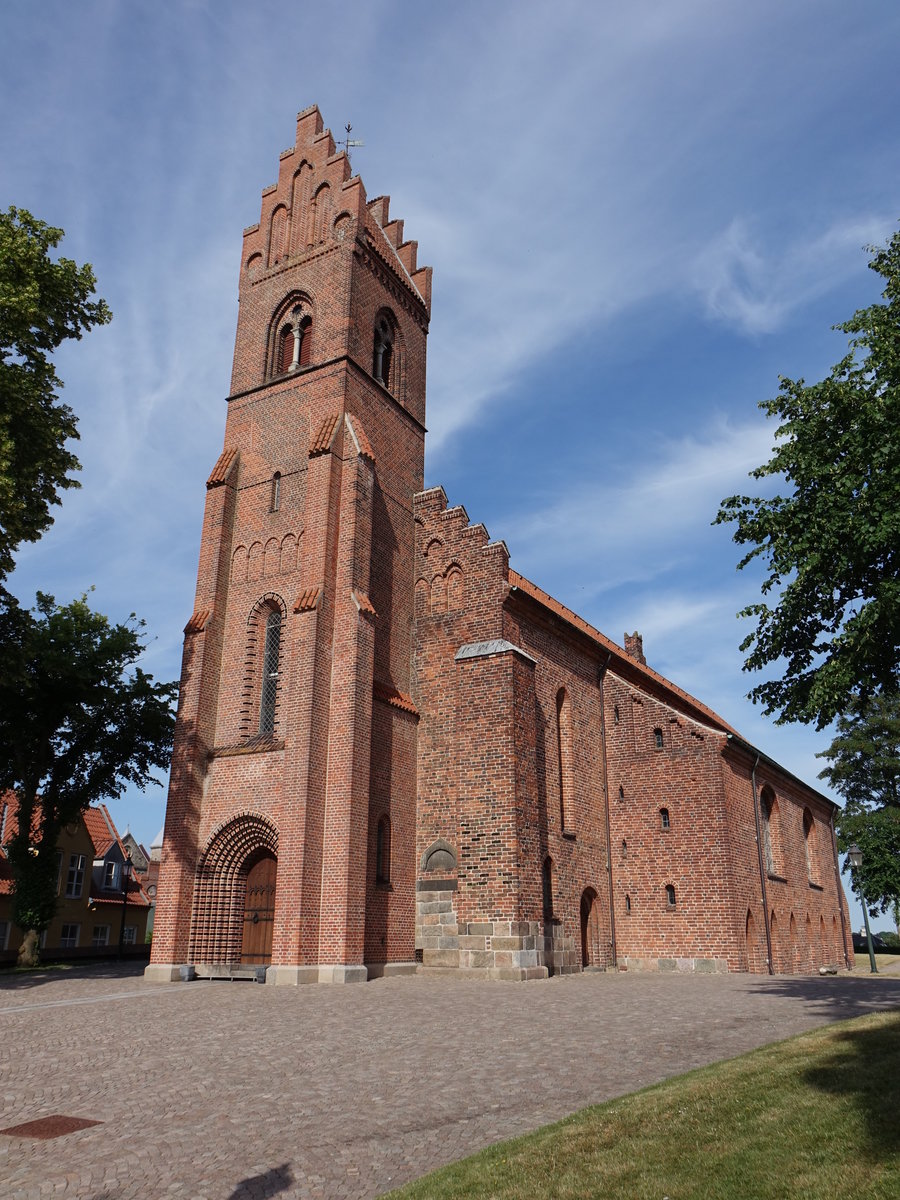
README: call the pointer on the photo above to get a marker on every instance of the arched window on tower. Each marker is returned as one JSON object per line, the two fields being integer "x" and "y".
{"x": 285, "y": 350}
{"x": 293, "y": 344}
{"x": 383, "y": 358}
{"x": 271, "y": 672}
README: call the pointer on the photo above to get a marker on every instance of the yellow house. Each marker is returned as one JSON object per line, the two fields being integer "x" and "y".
{"x": 93, "y": 912}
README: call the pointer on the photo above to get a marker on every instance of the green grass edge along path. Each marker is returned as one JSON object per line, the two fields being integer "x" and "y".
{"x": 814, "y": 1116}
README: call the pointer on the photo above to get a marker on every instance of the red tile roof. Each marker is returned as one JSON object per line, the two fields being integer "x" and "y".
{"x": 359, "y": 436}
{"x": 325, "y": 436}
{"x": 198, "y": 621}
{"x": 224, "y": 463}
{"x": 103, "y": 834}
{"x": 388, "y": 694}
{"x": 363, "y": 603}
{"x": 623, "y": 659}
{"x": 307, "y": 600}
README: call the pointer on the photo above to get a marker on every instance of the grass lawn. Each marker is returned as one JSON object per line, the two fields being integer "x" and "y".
{"x": 816, "y": 1116}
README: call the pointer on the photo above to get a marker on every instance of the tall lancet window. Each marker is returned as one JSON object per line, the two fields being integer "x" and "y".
{"x": 271, "y": 659}
{"x": 383, "y": 354}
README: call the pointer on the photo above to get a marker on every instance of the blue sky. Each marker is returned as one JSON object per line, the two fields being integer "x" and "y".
{"x": 638, "y": 216}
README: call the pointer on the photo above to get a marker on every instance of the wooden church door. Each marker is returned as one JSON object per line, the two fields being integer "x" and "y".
{"x": 259, "y": 912}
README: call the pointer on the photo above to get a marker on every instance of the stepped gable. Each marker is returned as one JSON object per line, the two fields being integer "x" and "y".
{"x": 458, "y": 567}
{"x": 317, "y": 202}
{"x": 386, "y": 237}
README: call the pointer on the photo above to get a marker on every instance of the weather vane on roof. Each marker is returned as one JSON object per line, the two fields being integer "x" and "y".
{"x": 348, "y": 142}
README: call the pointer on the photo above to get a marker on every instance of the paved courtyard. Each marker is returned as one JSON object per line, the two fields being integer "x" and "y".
{"x": 227, "y": 1090}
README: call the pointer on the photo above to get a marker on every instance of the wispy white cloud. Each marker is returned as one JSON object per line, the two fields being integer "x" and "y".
{"x": 746, "y": 281}
{"x": 640, "y": 522}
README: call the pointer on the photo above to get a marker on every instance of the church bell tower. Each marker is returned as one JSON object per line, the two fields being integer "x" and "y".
{"x": 290, "y": 829}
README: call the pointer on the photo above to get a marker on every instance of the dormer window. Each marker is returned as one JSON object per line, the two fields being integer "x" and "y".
{"x": 111, "y": 876}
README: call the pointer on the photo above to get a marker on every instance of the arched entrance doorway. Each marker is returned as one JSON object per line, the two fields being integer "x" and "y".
{"x": 259, "y": 911}
{"x": 235, "y": 881}
{"x": 590, "y": 930}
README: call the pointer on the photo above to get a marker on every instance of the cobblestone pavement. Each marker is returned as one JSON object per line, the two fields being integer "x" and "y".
{"x": 227, "y": 1090}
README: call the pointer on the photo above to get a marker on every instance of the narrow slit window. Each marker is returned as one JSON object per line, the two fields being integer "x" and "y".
{"x": 664, "y": 821}
{"x": 670, "y": 895}
{"x": 628, "y": 904}
{"x": 275, "y": 502}
{"x": 271, "y": 659}
{"x": 658, "y": 738}
{"x": 616, "y": 714}
{"x": 547, "y": 888}
{"x": 621, "y": 792}
{"x": 383, "y": 851}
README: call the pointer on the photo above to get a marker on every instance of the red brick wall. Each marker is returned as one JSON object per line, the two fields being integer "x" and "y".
{"x": 336, "y": 558}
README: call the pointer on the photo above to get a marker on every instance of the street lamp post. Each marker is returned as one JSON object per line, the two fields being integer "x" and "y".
{"x": 855, "y": 855}
{"x": 126, "y": 875}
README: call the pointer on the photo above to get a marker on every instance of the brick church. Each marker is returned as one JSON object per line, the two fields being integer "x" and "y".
{"x": 394, "y": 752}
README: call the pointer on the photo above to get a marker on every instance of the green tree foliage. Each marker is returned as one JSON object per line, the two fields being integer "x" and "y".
{"x": 78, "y": 723}
{"x": 831, "y": 543}
{"x": 42, "y": 304}
{"x": 864, "y": 768}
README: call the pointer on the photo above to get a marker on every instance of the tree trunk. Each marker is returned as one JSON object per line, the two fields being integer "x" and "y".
{"x": 29, "y": 951}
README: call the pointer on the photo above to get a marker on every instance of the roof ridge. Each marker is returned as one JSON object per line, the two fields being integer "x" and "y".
{"x": 517, "y": 580}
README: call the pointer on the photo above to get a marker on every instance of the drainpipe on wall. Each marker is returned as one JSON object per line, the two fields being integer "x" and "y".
{"x": 837, "y": 882}
{"x": 609, "y": 876}
{"x": 762, "y": 871}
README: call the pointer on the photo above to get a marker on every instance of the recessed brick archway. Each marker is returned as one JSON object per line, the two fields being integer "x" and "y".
{"x": 221, "y": 887}
{"x": 590, "y": 929}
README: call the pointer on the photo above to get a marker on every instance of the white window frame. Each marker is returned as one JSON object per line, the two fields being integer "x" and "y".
{"x": 70, "y": 942}
{"x": 100, "y": 936}
{"x": 75, "y": 876}
{"x": 111, "y": 876}
{"x": 129, "y": 937}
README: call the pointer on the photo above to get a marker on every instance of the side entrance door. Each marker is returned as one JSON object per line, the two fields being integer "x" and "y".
{"x": 259, "y": 912}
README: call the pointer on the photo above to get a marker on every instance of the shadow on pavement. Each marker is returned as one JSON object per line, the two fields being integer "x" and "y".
{"x": 259, "y": 1187}
{"x": 834, "y": 998}
{"x": 21, "y": 980}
